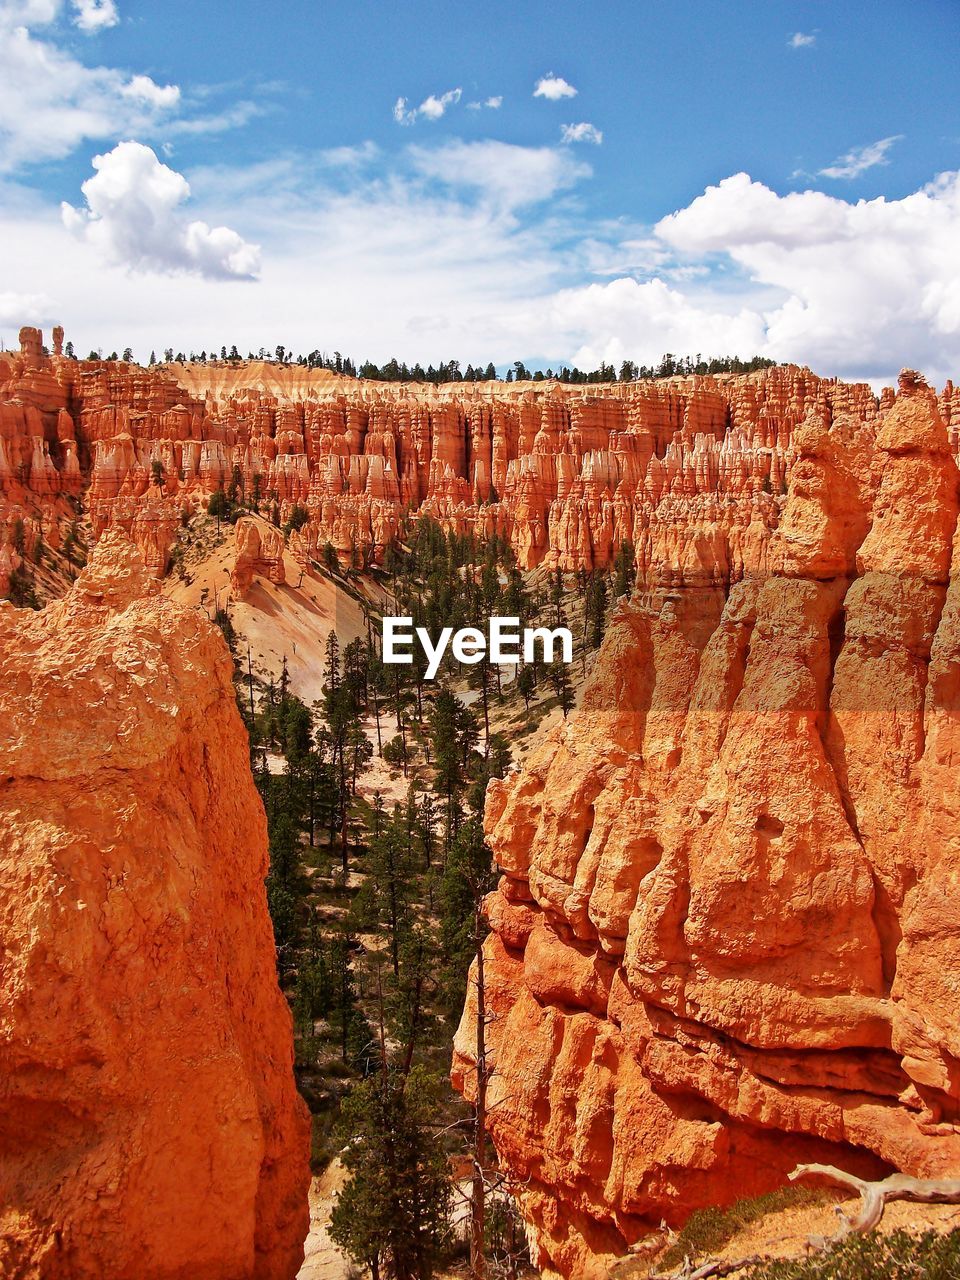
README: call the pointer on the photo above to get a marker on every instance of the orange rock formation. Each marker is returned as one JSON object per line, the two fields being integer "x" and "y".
{"x": 149, "y": 1122}
{"x": 259, "y": 549}
{"x": 726, "y": 936}
{"x": 566, "y": 473}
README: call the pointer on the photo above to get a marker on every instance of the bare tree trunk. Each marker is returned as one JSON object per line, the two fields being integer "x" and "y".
{"x": 478, "y": 1263}
{"x": 484, "y": 684}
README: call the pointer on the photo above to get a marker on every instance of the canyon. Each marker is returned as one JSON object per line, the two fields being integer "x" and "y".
{"x": 724, "y": 941}
{"x": 567, "y": 474}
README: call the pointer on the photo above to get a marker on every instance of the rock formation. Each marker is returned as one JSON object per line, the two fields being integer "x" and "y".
{"x": 566, "y": 473}
{"x": 149, "y": 1122}
{"x": 725, "y": 940}
{"x": 259, "y": 549}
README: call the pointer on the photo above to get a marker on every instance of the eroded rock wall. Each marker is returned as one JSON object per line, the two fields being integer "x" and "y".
{"x": 566, "y": 473}
{"x": 149, "y": 1122}
{"x": 727, "y": 935}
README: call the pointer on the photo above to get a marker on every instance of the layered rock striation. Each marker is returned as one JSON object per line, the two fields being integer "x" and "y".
{"x": 149, "y": 1121}
{"x": 727, "y": 935}
{"x": 566, "y": 473}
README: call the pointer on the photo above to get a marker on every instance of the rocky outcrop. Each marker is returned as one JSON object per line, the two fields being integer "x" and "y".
{"x": 726, "y": 937}
{"x": 259, "y": 550}
{"x": 149, "y": 1122}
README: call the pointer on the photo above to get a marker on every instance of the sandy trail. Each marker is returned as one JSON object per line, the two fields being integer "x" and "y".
{"x": 322, "y": 1260}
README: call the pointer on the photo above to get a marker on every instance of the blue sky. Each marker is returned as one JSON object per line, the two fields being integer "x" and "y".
{"x": 758, "y": 175}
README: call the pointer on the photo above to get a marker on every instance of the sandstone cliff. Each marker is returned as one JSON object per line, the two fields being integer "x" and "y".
{"x": 149, "y": 1122}
{"x": 726, "y": 936}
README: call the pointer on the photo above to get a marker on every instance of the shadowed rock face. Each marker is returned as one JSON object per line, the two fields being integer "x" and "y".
{"x": 149, "y": 1122}
{"x": 727, "y": 937}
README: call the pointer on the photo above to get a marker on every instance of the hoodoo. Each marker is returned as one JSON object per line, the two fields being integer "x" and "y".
{"x": 149, "y": 1122}
{"x": 565, "y": 473}
{"x": 725, "y": 938}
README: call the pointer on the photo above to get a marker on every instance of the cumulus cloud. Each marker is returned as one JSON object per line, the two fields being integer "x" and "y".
{"x": 583, "y": 132}
{"x": 802, "y": 40}
{"x": 860, "y": 288}
{"x": 471, "y": 250}
{"x": 132, "y": 218}
{"x": 494, "y": 104}
{"x": 630, "y": 319}
{"x": 553, "y": 88}
{"x": 860, "y": 159}
{"x": 143, "y": 90}
{"x": 513, "y": 176}
{"x": 50, "y": 101}
{"x": 431, "y": 108}
{"x": 95, "y": 15}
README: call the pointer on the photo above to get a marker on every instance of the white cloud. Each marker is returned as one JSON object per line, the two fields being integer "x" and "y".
{"x": 143, "y": 90}
{"x": 553, "y": 88}
{"x": 17, "y": 309}
{"x": 494, "y": 104}
{"x": 50, "y": 102}
{"x": 232, "y": 117}
{"x": 582, "y": 132}
{"x": 432, "y": 107}
{"x": 28, "y": 13}
{"x": 131, "y": 218}
{"x": 350, "y": 157}
{"x": 859, "y": 287}
{"x": 513, "y": 176}
{"x": 474, "y": 250}
{"x": 627, "y": 319}
{"x": 802, "y": 40}
{"x": 860, "y": 159}
{"x": 95, "y": 15}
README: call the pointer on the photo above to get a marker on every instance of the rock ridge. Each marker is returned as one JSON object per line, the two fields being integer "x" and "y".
{"x": 683, "y": 467}
{"x": 725, "y": 938}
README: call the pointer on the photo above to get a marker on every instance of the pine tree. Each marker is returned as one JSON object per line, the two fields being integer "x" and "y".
{"x": 624, "y": 568}
{"x": 393, "y": 1215}
{"x": 391, "y": 885}
{"x": 559, "y": 678}
{"x": 452, "y": 733}
{"x": 526, "y": 683}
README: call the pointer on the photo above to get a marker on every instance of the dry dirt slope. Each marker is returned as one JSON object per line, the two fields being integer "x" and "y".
{"x": 291, "y": 620}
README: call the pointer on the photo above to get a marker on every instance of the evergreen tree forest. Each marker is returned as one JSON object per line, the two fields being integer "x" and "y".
{"x": 393, "y": 370}
{"x": 376, "y": 889}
